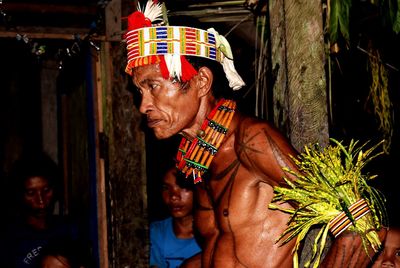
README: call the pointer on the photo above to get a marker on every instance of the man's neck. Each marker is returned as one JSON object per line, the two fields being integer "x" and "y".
{"x": 183, "y": 227}
{"x": 37, "y": 223}
{"x": 206, "y": 105}
{"x": 194, "y": 156}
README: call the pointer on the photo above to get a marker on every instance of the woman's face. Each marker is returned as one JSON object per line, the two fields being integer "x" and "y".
{"x": 178, "y": 200}
{"x": 38, "y": 196}
{"x": 390, "y": 255}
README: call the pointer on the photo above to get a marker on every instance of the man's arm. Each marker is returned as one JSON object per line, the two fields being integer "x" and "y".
{"x": 347, "y": 251}
{"x": 266, "y": 151}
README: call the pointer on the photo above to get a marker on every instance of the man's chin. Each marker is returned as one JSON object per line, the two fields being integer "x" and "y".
{"x": 161, "y": 135}
{"x": 39, "y": 213}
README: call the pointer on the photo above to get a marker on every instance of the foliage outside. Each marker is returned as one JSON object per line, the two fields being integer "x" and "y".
{"x": 338, "y": 28}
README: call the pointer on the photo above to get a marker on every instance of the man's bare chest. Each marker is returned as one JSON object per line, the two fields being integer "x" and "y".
{"x": 236, "y": 198}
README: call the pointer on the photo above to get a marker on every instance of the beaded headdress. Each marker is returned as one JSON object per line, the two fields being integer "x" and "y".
{"x": 149, "y": 41}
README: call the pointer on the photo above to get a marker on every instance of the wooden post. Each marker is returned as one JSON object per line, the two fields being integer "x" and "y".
{"x": 101, "y": 181}
{"x": 298, "y": 57}
{"x": 113, "y": 20}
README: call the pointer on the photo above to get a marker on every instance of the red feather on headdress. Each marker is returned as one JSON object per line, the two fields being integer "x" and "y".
{"x": 137, "y": 20}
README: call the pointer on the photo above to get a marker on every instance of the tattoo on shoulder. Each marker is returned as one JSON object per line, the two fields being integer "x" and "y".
{"x": 280, "y": 157}
{"x": 246, "y": 144}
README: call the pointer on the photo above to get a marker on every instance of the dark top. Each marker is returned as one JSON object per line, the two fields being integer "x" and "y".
{"x": 20, "y": 244}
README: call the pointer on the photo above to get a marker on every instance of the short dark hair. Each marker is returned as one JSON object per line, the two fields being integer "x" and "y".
{"x": 169, "y": 165}
{"x": 182, "y": 181}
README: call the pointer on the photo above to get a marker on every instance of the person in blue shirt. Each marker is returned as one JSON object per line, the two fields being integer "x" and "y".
{"x": 172, "y": 240}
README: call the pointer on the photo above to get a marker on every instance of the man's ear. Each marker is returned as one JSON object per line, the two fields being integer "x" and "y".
{"x": 204, "y": 81}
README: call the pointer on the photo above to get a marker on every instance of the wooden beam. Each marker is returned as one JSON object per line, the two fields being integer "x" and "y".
{"x": 50, "y": 33}
{"x": 49, "y": 8}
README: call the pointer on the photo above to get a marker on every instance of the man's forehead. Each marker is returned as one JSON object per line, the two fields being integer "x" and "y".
{"x": 394, "y": 236}
{"x": 146, "y": 69}
{"x": 145, "y": 73}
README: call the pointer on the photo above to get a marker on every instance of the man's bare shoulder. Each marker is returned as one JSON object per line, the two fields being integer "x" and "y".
{"x": 252, "y": 133}
{"x": 262, "y": 149}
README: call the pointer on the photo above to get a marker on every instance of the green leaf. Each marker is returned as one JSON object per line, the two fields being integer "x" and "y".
{"x": 339, "y": 20}
{"x": 396, "y": 19}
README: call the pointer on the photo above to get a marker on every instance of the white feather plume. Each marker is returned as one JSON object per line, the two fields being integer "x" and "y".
{"x": 152, "y": 11}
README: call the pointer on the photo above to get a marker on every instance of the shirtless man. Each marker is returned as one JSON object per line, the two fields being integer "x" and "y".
{"x": 232, "y": 211}
{"x": 232, "y": 205}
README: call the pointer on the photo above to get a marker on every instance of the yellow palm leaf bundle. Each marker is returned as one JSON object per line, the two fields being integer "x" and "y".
{"x": 331, "y": 192}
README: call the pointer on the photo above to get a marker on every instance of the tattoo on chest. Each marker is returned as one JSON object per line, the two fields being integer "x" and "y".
{"x": 226, "y": 193}
{"x": 213, "y": 199}
{"x": 216, "y": 198}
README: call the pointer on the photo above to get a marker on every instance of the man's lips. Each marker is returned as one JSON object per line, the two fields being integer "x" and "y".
{"x": 176, "y": 208}
{"x": 153, "y": 122}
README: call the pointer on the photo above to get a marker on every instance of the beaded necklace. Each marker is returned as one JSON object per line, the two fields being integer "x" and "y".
{"x": 194, "y": 157}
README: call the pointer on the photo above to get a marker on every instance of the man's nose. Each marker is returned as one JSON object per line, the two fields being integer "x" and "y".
{"x": 146, "y": 103}
{"x": 40, "y": 199}
{"x": 175, "y": 195}
{"x": 387, "y": 260}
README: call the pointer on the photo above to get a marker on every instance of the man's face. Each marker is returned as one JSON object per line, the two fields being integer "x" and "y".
{"x": 390, "y": 255}
{"x": 169, "y": 106}
{"x": 38, "y": 196}
{"x": 178, "y": 200}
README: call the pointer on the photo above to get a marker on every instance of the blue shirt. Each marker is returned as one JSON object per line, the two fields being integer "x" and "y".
{"x": 166, "y": 250}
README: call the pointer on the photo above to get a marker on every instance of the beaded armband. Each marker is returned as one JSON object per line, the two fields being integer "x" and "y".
{"x": 343, "y": 220}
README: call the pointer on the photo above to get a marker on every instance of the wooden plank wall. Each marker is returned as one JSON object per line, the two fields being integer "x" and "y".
{"x": 122, "y": 216}
{"x": 125, "y": 164}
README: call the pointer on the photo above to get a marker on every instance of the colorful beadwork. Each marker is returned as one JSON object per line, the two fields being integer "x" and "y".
{"x": 341, "y": 222}
{"x": 151, "y": 41}
{"x": 194, "y": 157}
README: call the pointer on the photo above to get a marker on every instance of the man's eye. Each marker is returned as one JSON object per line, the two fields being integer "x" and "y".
{"x": 47, "y": 190}
{"x": 398, "y": 253}
{"x": 29, "y": 193}
{"x": 154, "y": 86}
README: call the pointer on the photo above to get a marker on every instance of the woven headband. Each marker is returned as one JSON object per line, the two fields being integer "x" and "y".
{"x": 164, "y": 40}
{"x": 168, "y": 45}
